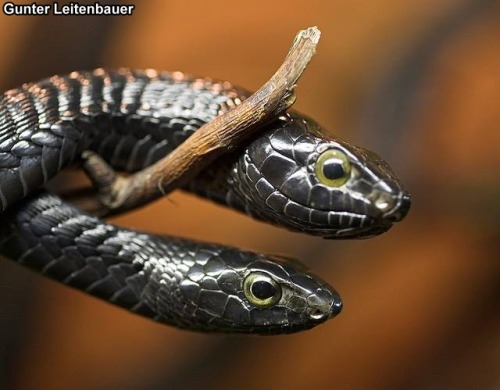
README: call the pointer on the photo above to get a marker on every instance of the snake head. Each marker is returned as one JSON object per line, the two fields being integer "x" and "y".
{"x": 227, "y": 290}
{"x": 281, "y": 296}
{"x": 295, "y": 176}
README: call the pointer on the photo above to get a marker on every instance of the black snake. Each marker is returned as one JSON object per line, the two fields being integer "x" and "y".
{"x": 291, "y": 175}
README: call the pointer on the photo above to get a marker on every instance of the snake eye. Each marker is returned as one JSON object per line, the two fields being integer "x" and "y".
{"x": 261, "y": 290}
{"x": 333, "y": 168}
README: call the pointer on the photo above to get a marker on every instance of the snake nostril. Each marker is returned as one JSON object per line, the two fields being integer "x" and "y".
{"x": 400, "y": 211}
{"x": 317, "y": 314}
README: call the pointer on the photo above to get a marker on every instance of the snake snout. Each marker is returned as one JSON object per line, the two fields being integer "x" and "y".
{"x": 336, "y": 307}
{"x": 323, "y": 307}
{"x": 397, "y": 213}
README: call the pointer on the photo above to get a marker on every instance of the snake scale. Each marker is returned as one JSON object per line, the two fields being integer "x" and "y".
{"x": 291, "y": 175}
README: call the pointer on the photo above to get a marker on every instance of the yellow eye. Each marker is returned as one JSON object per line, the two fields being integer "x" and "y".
{"x": 333, "y": 168}
{"x": 261, "y": 290}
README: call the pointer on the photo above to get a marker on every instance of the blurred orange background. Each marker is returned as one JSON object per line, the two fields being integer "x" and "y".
{"x": 416, "y": 81}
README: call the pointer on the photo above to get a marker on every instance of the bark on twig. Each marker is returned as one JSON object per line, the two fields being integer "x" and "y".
{"x": 215, "y": 138}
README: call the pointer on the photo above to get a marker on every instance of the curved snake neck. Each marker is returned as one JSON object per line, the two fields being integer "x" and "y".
{"x": 132, "y": 119}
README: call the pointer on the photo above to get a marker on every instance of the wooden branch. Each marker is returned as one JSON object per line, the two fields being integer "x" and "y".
{"x": 224, "y": 133}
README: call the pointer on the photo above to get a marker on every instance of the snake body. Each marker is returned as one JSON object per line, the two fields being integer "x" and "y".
{"x": 290, "y": 175}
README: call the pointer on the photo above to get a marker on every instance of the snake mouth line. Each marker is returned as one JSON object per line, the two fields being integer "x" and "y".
{"x": 357, "y": 233}
{"x": 273, "y": 204}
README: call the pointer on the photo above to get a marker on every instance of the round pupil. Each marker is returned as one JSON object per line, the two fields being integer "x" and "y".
{"x": 263, "y": 290}
{"x": 333, "y": 169}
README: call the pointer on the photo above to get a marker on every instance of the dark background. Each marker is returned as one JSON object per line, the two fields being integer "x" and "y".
{"x": 416, "y": 81}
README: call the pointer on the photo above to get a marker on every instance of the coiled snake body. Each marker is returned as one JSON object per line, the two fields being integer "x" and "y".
{"x": 290, "y": 175}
